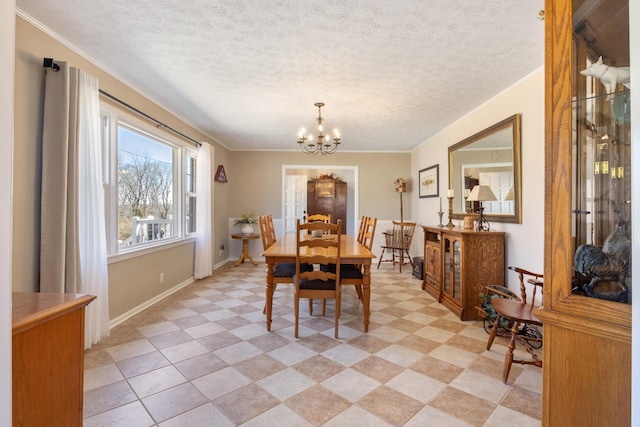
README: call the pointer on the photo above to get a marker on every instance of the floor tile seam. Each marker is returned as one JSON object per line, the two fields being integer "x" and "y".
{"x": 138, "y": 398}
{"x": 263, "y": 352}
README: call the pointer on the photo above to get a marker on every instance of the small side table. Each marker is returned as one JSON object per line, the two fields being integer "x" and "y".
{"x": 245, "y": 247}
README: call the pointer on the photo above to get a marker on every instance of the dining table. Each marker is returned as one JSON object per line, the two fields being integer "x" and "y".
{"x": 351, "y": 252}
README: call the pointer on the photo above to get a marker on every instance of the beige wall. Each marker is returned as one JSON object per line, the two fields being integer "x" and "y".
{"x": 176, "y": 264}
{"x": 132, "y": 281}
{"x": 256, "y": 180}
{"x": 524, "y": 242}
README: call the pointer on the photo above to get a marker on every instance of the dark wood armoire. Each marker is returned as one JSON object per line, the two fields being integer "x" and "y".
{"x": 328, "y": 196}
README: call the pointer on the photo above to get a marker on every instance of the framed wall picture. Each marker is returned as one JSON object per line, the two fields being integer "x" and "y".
{"x": 429, "y": 181}
{"x": 220, "y": 176}
{"x": 325, "y": 188}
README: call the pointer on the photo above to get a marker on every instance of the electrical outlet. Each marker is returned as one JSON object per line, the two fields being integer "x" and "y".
{"x": 161, "y": 277}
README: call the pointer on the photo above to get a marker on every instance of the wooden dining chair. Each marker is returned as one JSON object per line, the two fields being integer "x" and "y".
{"x": 519, "y": 312}
{"x": 320, "y": 284}
{"x": 398, "y": 242}
{"x": 283, "y": 272}
{"x": 352, "y": 274}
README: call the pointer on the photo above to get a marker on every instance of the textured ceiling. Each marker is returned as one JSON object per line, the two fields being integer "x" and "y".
{"x": 247, "y": 72}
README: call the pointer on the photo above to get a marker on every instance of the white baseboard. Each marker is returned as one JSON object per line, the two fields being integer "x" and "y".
{"x": 125, "y": 316}
{"x": 221, "y": 263}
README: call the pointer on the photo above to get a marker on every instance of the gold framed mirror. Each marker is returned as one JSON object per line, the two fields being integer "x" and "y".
{"x": 490, "y": 157}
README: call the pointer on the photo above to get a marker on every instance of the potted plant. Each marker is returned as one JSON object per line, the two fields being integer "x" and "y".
{"x": 247, "y": 220}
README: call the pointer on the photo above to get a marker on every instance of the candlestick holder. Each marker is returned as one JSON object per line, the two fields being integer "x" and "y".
{"x": 450, "y": 224}
{"x": 440, "y": 213}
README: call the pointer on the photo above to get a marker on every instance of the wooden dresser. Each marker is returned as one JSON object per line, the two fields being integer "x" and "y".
{"x": 48, "y": 358}
{"x": 459, "y": 263}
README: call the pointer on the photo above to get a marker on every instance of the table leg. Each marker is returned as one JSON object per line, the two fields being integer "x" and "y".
{"x": 249, "y": 256}
{"x": 366, "y": 294}
{"x": 245, "y": 253}
{"x": 240, "y": 260}
{"x": 269, "y": 293}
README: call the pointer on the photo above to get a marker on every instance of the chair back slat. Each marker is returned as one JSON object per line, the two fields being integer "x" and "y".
{"x": 401, "y": 235}
{"x": 363, "y": 226}
{"x": 319, "y": 217}
{"x": 368, "y": 233}
{"x": 267, "y": 231}
{"x": 326, "y": 218}
{"x": 533, "y": 279}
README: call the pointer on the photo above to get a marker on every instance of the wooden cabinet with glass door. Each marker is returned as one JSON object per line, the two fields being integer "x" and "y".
{"x": 459, "y": 264}
{"x": 588, "y": 214}
{"x": 432, "y": 264}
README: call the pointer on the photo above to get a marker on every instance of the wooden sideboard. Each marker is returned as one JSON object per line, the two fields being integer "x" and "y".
{"x": 459, "y": 263}
{"x": 48, "y": 358}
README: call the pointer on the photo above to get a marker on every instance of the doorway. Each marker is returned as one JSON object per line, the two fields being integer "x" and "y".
{"x": 292, "y": 193}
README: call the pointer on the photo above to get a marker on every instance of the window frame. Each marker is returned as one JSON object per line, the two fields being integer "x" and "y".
{"x": 112, "y": 118}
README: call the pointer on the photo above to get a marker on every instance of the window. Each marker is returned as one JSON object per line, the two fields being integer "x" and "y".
{"x": 151, "y": 182}
{"x": 190, "y": 194}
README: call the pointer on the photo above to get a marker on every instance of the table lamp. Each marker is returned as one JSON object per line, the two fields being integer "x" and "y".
{"x": 481, "y": 193}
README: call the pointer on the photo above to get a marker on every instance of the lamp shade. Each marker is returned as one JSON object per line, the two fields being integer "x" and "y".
{"x": 509, "y": 195}
{"x": 481, "y": 193}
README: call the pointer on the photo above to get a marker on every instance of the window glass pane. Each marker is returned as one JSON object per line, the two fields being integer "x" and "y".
{"x": 145, "y": 188}
{"x": 191, "y": 214}
{"x": 191, "y": 175}
{"x": 190, "y": 190}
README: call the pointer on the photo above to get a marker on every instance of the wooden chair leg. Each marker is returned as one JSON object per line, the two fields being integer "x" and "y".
{"x": 381, "y": 256}
{"x": 409, "y": 257}
{"x": 296, "y": 312}
{"x": 508, "y": 357}
{"x": 337, "y": 317}
{"x": 310, "y": 306}
{"x": 359, "y": 291}
{"x": 494, "y": 332}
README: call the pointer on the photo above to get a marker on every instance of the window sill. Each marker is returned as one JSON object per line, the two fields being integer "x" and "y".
{"x": 149, "y": 249}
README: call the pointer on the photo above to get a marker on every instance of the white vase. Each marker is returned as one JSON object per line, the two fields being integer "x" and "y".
{"x": 247, "y": 229}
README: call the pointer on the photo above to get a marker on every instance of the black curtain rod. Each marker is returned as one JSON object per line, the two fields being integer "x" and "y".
{"x": 48, "y": 63}
{"x": 158, "y": 122}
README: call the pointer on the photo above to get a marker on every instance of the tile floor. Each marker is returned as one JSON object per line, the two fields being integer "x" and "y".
{"x": 203, "y": 357}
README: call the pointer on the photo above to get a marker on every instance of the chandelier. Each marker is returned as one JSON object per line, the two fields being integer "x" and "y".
{"x": 323, "y": 144}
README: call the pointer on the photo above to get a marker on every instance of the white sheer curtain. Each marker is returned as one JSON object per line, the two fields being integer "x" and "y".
{"x": 73, "y": 249}
{"x": 203, "y": 266}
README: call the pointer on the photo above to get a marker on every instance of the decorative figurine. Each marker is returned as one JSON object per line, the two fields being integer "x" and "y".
{"x": 609, "y": 76}
{"x": 611, "y": 263}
